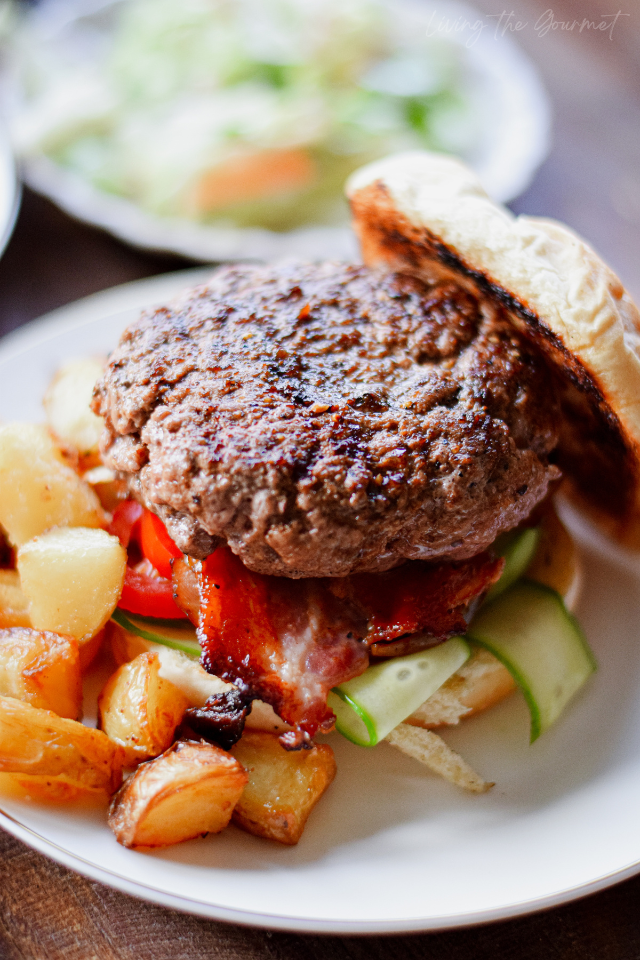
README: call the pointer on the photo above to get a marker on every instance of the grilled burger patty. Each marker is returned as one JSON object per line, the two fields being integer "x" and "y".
{"x": 324, "y": 419}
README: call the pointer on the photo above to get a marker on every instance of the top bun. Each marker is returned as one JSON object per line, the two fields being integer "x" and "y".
{"x": 428, "y": 214}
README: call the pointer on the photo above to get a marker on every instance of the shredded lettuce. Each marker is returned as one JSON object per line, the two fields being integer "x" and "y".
{"x": 239, "y": 111}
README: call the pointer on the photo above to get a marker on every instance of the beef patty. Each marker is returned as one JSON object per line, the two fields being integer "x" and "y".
{"x": 324, "y": 419}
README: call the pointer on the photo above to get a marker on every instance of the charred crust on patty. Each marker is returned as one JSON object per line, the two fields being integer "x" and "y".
{"x": 324, "y": 419}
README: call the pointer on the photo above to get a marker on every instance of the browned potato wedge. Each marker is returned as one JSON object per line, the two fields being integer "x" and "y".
{"x": 89, "y": 648}
{"x": 140, "y": 710}
{"x": 284, "y": 786}
{"x": 14, "y": 612}
{"x": 14, "y": 606}
{"x": 67, "y": 409}
{"x": 125, "y": 646}
{"x": 48, "y": 789}
{"x": 40, "y": 743}
{"x": 42, "y": 669}
{"x": 109, "y": 488}
{"x": 73, "y": 578}
{"x": 38, "y": 489}
{"x": 189, "y": 791}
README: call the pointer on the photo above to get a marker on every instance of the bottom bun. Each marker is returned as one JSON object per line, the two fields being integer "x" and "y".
{"x": 483, "y": 681}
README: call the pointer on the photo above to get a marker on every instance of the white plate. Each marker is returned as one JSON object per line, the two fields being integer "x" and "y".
{"x": 507, "y": 92}
{"x": 10, "y": 190}
{"x": 390, "y": 847}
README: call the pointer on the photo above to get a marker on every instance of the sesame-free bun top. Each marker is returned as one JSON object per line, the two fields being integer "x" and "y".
{"x": 428, "y": 214}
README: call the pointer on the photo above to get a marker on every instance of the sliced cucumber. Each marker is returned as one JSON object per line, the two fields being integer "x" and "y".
{"x": 177, "y": 634}
{"x": 368, "y": 707}
{"x": 518, "y": 548}
{"x": 529, "y": 629}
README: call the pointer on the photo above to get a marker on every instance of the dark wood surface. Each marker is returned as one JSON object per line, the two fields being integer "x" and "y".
{"x": 592, "y": 181}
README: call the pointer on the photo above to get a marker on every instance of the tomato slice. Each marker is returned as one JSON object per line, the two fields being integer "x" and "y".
{"x": 157, "y": 545}
{"x": 143, "y": 593}
{"x": 149, "y": 596}
{"x": 124, "y": 524}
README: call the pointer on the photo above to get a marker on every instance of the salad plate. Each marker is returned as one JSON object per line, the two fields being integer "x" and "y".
{"x": 9, "y": 189}
{"x": 390, "y": 848}
{"x": 503, "y": 132}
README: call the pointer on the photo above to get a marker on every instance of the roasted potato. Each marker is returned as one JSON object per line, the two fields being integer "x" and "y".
{"x": 283, "y": 788}
{"x": 66, "y": 405}
{"x": 49, "y": 789}
{"x": 189, "y": 791}
{"x": 111, "y": 489}
{"x": 42, "y": 669}
{"x": 14, "y": 606}
{"x": 38, "y": 490}
{"x": 40, "y": 743}
{"x": 187, "y": 675}
{"x": 140, "y": 710}
{"x": 125, "y": 645}
{"x": 73, "y": 578}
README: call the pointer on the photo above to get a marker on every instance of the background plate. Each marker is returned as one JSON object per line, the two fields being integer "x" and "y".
{"x": 390, "y": 848}
{"x": 10, "y": 190}
{"x": 515, "y": 140}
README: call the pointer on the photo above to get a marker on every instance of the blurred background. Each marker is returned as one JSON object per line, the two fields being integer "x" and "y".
{"x": 97, "y": 92}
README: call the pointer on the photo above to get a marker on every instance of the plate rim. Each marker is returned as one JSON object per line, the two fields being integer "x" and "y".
{"x": 251, "y": 918}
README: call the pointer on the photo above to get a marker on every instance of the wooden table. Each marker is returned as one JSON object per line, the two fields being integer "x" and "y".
{"x": 592, "y": 181}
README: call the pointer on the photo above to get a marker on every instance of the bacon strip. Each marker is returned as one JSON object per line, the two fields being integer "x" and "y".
{"x": 421, "y": 597}
{"x": 288, "y": 642}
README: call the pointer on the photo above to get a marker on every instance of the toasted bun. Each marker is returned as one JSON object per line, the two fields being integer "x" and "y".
{"x": 428, "y": 214}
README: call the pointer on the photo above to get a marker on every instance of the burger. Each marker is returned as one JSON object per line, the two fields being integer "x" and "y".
{"x": 352, "y": 463}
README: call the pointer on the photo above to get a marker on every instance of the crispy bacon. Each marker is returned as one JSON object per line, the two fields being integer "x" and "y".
{"x": 285, "y": 641}
{"x": 421, "y": 598}
{"x": 288, "y": 642}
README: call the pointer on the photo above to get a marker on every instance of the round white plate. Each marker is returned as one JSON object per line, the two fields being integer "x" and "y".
{"x": 390, "y": 847}
{"x": 10, "y": 190}
{"x": 508, "y": 95}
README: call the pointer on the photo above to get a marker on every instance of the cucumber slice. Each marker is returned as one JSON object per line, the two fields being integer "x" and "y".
{"x": 370, "y": 706}
{"x": 177, "y": 634}
{"x": 529, "y": 629}
{"x": 518, "y": 548}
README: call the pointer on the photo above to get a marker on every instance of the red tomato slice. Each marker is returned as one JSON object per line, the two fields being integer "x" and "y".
{"x": 124, "y": 524}
{"x": 149, "y": 596}
{"x": 157, "y": 545}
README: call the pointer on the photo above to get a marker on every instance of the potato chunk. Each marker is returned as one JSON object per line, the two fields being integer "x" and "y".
{"x": 284, "y": 786}
{"x": 14, "y": 606}
{"x": 140, "y": 710}
{"x": 38, "y": 490}
{"x": 188, "y": 791}
{"x": 42, "y": 669}
{"x": 111, "y": 489}
{"x": 73, "y": 578}
{"x": 67, "y": 409}
{"x": 40, "y": 743}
